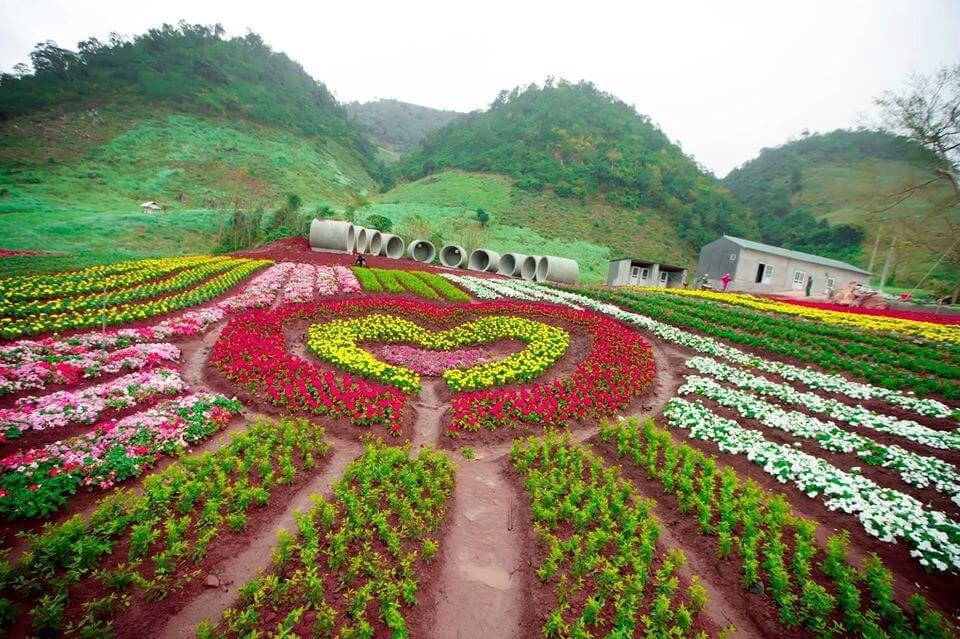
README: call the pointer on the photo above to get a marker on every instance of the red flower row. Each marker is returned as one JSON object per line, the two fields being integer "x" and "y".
{"x": 618, "y": 368}
{"x": 252, "y": 353}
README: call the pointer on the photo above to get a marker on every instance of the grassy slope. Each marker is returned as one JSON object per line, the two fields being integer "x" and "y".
{"x": 857, "y": 193}
{"x": 525, "y": 222}
{"x": 75, "y": 180}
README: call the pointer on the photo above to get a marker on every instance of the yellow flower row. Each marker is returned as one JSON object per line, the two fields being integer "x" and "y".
{"x": 176, "y": 282}
{"x": 917, "y": 328}
{"x": 337, "y": 343}
{"x": 112, "y": 315}
{"x": 95, "y": 279}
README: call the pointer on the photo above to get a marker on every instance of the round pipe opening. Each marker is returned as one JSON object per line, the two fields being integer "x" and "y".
{"x": 528, "y": 267}
{"x": 421, "y": 251}
{"x": 361, "y": 244}
{"x": 374, "y": 242}
{"x": 452, "y": 256}
{"x": 392, "y": 246}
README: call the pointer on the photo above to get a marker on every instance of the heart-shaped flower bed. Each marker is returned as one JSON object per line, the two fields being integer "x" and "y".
{"x": 253, "y": 352}
{"x": 338, "y": 342}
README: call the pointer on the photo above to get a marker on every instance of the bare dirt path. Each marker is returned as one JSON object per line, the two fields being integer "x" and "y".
{"x": 429, "y": 410}
{"x": 244, "y": 566}
{"x": 478, "y": 592}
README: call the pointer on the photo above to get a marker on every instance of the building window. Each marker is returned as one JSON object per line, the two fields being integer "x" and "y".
{"x": 799, "y": 279}
{"x": 831, "y": 283}
{"x": 764, "y": 273}
{"x": 733, "y": 257}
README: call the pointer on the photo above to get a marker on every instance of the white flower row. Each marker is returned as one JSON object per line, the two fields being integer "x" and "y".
{"x": 710, "y": 346}
{"x": 854, "y": 415}
{"x": 884, "y": 513}
{"x": 918, "y": 470}
{"x": 475, "y": 285}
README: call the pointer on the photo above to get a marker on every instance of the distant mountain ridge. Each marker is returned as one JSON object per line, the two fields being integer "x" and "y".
{"x": 398, "y": 126}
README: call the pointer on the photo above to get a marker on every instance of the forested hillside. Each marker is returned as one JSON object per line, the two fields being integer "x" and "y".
{"x": 833, "y": 193}
{"x": 395, "y": 125}
{"x": 188, "y": 66}
{"x": 581, "y": 143}
{"x": 179, "y": 115}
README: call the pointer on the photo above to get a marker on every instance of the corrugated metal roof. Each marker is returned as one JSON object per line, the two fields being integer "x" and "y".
{"x": 795, "y": 255}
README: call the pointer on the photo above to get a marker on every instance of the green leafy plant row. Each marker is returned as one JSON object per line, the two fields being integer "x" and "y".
{"x": 78, "y": 577}
{"x": 351, "y": 569}
{"x": 422, "y": 283}
{"x": 757, "y": 529}
{"x": 599, "y": 542}
{"x": 895, "y": 368}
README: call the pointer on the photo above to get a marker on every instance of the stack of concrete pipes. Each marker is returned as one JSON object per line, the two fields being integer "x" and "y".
{"x": 344, "y": 237}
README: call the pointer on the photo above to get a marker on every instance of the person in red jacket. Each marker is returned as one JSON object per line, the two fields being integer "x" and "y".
{"x": 725, "y": 280}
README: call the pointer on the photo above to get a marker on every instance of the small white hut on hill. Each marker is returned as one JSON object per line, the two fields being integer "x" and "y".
{"x": 150, "y": 207}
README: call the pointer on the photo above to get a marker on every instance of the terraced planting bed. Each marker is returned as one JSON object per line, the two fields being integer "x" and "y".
{"x": 280, "y": 444}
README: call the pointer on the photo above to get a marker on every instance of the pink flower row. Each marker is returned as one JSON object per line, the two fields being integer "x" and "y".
{"x": 39, "y": 481}
{"x": 302, "y": 285}
{"x": 85, "y": 406}
{"x": 431, "y": 362}
{"x": 82, "y": 363}
{"x": 261, "y": 291}
{"x": 308, "y": 281}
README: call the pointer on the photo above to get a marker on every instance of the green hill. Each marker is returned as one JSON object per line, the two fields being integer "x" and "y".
{"x": 580, "y": 144}
{"x": 833, "y": 193}
{"x": 443, "y": 207}
{"x": 181, "y": 116}
{"x": 397, "y": 126}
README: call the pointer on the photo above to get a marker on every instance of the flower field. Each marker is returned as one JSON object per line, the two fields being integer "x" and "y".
{"x": 279, "y": 444}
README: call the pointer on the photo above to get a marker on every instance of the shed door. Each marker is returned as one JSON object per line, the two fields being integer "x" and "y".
{"x": 664, "y": 276}
{"x": 634, "y": 274}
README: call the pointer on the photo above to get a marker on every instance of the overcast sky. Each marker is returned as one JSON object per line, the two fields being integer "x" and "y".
{"x": 724, "y": 79}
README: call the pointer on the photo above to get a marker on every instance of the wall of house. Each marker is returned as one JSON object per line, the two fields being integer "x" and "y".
{"x": 715, "y": 261}
{"x": 783, "y": 273}
{"x": 619, "y": 273}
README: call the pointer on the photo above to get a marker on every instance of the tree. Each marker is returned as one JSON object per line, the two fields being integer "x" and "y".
{"x": 929, "y": 114}
{"x": 379, "y": 222}
{"x": 483, "y": 217}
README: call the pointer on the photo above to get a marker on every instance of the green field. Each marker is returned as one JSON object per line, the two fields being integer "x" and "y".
{"x": 74, "y": 182}
{"x": 524, "y": 222}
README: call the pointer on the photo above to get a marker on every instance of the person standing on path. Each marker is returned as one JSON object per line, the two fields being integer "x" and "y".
{"x": 725, "y": 281}
{"x": 809, "y": 285}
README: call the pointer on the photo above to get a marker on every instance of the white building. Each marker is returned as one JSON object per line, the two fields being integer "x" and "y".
{"x": 761, "y": 268}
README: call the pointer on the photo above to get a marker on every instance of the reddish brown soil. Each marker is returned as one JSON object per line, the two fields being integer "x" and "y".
{"x": 12, "y": 252}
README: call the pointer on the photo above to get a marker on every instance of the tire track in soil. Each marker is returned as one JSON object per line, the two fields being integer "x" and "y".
{"x": 477, "y": 594}
{"x": 211, "y": 604}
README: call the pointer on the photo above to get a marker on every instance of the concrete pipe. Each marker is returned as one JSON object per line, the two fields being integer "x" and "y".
{"x": 528, "y": 267}
{"x": 421, "y": 251}
{"x": 361, "y": 235}
{"x": 510, "y": 264}
{"x": 453, "y": 256}
{"x": 374, "y": 241}
{"x": 484, "y": 260}
{"x": 332, "y": 235}
{"x": 558, "y": 269}
{"x": 391, "y": 246}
